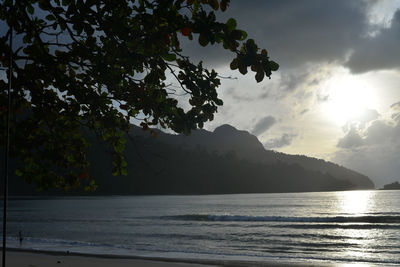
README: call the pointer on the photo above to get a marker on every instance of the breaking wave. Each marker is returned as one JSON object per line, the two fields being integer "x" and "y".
{"x": 244, "y": 218}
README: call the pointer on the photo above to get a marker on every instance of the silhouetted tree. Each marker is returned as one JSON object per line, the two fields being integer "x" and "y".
{"x": 96, "y": 65}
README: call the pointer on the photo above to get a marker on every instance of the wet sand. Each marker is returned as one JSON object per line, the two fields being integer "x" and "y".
{"x": 28, "y": 258}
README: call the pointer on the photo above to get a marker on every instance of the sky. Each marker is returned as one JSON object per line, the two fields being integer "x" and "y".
{"x": 336, "y": 95}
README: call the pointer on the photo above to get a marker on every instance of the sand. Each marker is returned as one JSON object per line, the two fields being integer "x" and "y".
{"x": 27, "y": 258}
{"x": 39, "y": 259}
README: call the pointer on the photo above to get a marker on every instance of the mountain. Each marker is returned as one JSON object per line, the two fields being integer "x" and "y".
{"x": 224, "y": 161}
{"x": 226, "y": 139}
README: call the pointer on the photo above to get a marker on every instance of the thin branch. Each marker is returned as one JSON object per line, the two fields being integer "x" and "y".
{"x": 176, "y": 77}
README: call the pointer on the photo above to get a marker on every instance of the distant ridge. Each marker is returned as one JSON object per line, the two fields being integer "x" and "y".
{"x": 226, "y": 138}
{"x": 226, "y": 161}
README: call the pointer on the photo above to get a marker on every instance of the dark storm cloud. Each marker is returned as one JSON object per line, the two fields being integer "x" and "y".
{"x": 291, "y": 80}
{"x": 284, "y": 140}
{"x": 263, "y": 124}
{"x": 378, "y": 52}
{"x": 294, "y": 32}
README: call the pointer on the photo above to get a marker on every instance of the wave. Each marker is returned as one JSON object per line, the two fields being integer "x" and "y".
{"x": 246, "y": 218}
{"x": 60, "y": 242}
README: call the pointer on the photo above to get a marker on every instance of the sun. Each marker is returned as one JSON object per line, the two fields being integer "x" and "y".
{"x": 347, "y": 99}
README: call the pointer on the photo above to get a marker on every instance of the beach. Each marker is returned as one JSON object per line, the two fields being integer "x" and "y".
{"x": 303, "y": 229}
{"x": 46, "y": 259}
{"x": 32, "y": 258}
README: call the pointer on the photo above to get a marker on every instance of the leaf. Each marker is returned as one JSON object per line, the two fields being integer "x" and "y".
{"x": 26, "y": 39}
{"x": 242, "y": 69}
{"x": 214, "y": 4}
{"x": 251, "y": 46}
{"x": 169, "y": 57}
{"x": 234, "y": 64}
{"x": 219, "y": 102}
{"x": 30, "y": 9}
{"x": 18, "y": 172}
{"x": 244, "y": 35}
{"x": 203, "y": 41}
{"x": 259, "y": 75}
{"x": 231, "y": 23}
{"x": 196, "y": 6}
{"x": 223, "y": 5}
{"x": 273, "y": 65}
{"x": 264, "y": 53}
{"x": 50, "y": 17}
{"x": 185, "y": 31}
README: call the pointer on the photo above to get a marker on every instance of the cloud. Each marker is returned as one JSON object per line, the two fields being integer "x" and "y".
{"x": 291, "y": 80}
{"x": 322, "y": 98}
{"x": 396, "y": 105}
{"x": 294, "y": 32}
{"x": 378, "y": 52}
{"x": 288, "y": 82}
{"x": 351, "y": 139}
{"x": 263, "y": 124}
{"x": 369, "y": 115}
{"x": 380, "y": 132}
{"x": 284, "y": 140}
{"x": 373, "y": 149}
{"x": 368, "y": 130}
{"x": 362, "y": 121}
{"x": 380, "y": 163}
{"x": 304, "y": 111}
{"x": 396, "y": 114}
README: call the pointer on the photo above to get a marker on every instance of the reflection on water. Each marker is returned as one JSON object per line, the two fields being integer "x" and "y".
{"x": 355, "y": 265}
{"x": 353, "y": 228}
{"x": 355, "y": 202}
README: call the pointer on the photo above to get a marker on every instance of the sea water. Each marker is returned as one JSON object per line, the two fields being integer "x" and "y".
{"x": 340, "y": 227}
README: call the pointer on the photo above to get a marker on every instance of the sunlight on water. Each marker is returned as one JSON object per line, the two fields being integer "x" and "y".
{"x": 355, "y": 202}
{"x": 352, "y": 228}
{"x": 354, "y": 265}
{"x": 361, "y": 241}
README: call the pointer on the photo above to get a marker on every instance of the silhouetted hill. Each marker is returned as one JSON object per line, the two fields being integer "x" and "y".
{"x": 224, "y": 161}
{"x": 246, "y": 146}
{"x": 392, "y": 186}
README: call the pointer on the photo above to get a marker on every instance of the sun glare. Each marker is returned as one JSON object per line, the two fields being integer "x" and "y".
{"x": 355, "y": 202}
{"x": 347, "y": 98}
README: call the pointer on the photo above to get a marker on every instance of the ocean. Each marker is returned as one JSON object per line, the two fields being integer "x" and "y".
{"x": 326, "y": 227}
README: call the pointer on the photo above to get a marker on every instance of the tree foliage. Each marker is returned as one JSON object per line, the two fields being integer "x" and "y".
{"x": 94, "y": 66}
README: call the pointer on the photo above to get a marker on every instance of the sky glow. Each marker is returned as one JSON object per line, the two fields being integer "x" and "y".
{"x": 334, "y": 96}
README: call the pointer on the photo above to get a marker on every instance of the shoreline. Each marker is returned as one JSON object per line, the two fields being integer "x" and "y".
{"x": 62, "y": 195}
{"x": 35, "y": 258}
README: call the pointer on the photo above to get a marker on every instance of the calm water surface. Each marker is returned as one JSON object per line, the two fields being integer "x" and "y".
{"x": 342, "y": 227}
